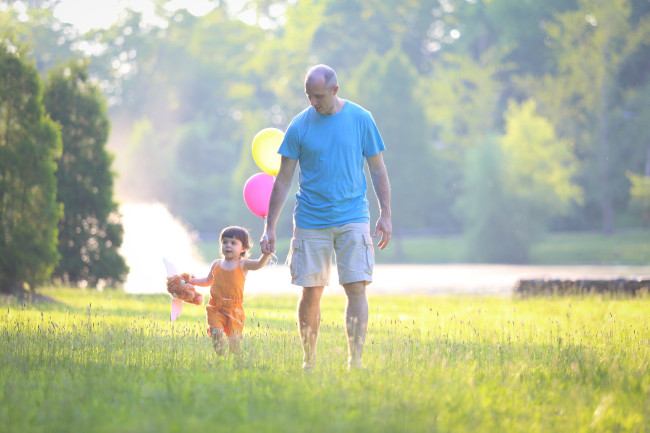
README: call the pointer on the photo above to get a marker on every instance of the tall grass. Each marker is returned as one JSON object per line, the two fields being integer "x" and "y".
{"x": 112, "y": 362}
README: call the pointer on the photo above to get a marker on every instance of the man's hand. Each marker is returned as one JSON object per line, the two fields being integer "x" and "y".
{"x": 380, "y": 183}
{"x": 385, "y": 228}
{"x": 267, "y": 243}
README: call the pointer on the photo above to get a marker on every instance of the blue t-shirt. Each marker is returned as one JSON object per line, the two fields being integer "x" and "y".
{"x": 331, "y": 150}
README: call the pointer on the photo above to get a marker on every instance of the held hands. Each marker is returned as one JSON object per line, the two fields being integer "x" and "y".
{"x": 267, "y": 243}
{"x": 385, "y": 227}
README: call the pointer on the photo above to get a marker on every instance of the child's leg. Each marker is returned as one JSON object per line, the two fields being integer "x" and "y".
{"x": 235, "y": 326}
{"x": 234, "y": 342}
{"x": 218, "y": 340}
{"x": 217, "y": 324}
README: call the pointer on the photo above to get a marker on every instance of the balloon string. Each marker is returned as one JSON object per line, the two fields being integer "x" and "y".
{"x": 266, "y": 238}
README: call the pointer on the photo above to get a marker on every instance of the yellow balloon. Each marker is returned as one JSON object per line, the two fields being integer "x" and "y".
{"x": 265, "y": 150}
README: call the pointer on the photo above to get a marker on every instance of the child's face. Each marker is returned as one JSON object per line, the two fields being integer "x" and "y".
{"x": 231, "y": 248}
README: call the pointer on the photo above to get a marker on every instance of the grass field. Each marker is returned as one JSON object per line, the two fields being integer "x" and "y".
{"x": 111, "y": 362}
{"x": 624, "y": 247}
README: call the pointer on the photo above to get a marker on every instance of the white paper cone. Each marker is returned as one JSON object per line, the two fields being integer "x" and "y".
{"x": 177, "y": 308}
{"x": 171, "y": 269}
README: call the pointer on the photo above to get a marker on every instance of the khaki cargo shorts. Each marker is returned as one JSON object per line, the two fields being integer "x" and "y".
{"x": 310, "y": 256}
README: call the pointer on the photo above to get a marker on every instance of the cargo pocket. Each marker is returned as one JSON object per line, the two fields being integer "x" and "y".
{"x": 295, "y": 257}
{"x": 369, "y": 253}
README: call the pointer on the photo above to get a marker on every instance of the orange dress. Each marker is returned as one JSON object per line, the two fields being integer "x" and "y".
{"x": 225, "y": 309}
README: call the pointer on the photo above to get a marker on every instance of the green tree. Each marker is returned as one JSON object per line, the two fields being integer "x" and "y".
{"x": 350, "y": 29}
{"x": 513, "y": 27}
{"x": 640, "y": 195}
{"x": 183, "y": 128}
{"x": 540, "y": 170}
{"x": 202, "y": 192}
{"x": 488, "y": 212}
{"x": 30, "y": 145}
{"x": 461, "y": 106}
{"x": 33, "y": 24}
{"x": 381, "y": 84}
{"x": 634, "y": 138}
{"x": 462, "y": 101}
{"x": 513, "y": 185}
{"x": 90, "y": 231}
{"x": 592, "y": 46}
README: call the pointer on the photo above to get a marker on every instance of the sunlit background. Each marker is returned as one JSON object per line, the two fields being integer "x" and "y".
{"x": 517, "y": 132}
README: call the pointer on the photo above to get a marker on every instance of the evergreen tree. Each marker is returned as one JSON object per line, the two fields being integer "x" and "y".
{"x": 30, "y": 145}
{"x": 90, "y": 231}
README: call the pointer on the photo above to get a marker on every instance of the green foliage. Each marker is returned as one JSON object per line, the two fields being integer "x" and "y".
{"x": 186, "y": 127}
{"x": 382, "y": 83}
{"x": 592, "y": 46}
{"x": 514, "y": 185}
{"x": 202, "y": 191}
{"x": 30, "y": 145}
{"x": 34, "y": 24}
{"x": 490, "y": 212}
{"x": 460, "y": 101}
{"x": 640, "y": 194}
{"x": 90, "y": 231}
{"x": 541, "y": 168}
{"x": 516, "y": 25}
{"x": 624, "y": 248}
{"x": 205, "y": 85}
{"x": 89, "y": 361}
{"x": 351, "y": 29}
{"x": 640, "y": 190}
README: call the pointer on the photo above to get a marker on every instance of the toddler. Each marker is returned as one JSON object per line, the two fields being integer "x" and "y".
{"x": 225, "y": 310}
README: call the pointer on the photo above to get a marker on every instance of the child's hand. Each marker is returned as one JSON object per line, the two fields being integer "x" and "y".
{"x": 267, "y": 243}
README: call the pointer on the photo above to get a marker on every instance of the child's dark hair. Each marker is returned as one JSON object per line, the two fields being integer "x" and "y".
{"x": 241, "y": 234}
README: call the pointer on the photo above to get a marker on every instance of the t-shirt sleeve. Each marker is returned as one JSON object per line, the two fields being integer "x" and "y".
{"x": 372, "y": 141}
{"x": 290, "y": 146}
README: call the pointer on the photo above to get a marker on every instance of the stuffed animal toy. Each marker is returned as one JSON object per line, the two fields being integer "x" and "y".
{"x": 179, "y": 288}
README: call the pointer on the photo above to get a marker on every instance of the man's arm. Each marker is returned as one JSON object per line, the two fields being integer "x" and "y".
{"x": 278, "y": 198}
{"x": 381, "y": 185}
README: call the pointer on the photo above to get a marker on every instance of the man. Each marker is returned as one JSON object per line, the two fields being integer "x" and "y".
{"x": 331, "y": 139}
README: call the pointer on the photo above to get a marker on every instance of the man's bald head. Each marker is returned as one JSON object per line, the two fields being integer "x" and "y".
{"x": 321, "y": 73}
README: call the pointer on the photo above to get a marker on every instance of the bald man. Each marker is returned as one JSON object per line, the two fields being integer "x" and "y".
{"x": 331, "y": 139}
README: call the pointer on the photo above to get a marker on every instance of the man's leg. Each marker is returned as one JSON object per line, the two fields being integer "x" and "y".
{"x": 356, "y": 321}
{"x": 309, "y": 323}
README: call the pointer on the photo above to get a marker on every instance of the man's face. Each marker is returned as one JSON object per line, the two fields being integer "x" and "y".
{"x": 320, "y": 97}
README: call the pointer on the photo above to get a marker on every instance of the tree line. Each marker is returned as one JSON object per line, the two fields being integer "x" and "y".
{"x": 58, "y": 218}
{"x": 503, "y": 119}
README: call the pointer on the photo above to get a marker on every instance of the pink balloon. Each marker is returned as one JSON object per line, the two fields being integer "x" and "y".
{"x": 257, "y": 193}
